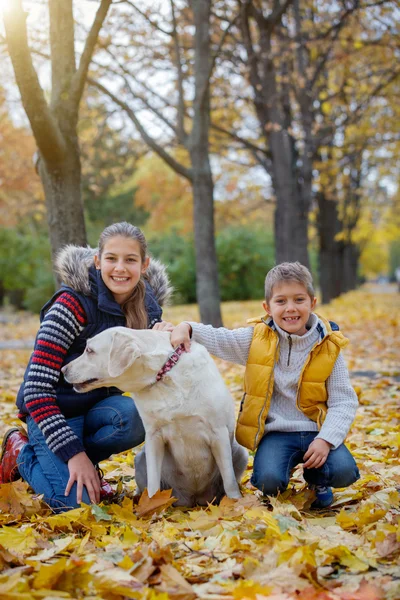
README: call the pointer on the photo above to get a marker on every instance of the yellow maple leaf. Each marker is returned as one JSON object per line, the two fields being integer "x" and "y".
{"x": 49, "y": 574}
{"x": 16, "y": 500}
{"x": 250, "y": 590}
{"x": 18, "y": 542}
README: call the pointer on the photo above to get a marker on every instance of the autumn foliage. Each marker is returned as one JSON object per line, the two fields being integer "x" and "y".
{"x": 19, "y": 185}
{"x": 146, "y": 548}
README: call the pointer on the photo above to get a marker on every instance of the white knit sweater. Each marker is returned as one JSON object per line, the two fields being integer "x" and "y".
{"x": 233, "y": 345}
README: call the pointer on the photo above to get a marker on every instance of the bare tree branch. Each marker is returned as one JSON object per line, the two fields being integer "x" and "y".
{"x": 150, "y": 21}
{"x": 79, "y": 79}
{"x": 278, "y": 12}
{"x": 215, "y": 56}
{"x": 153, "y": 109}
{"x": 246, "y": 143}
{"x": 323, "y": 59}
{"x": 148, "y": 139}
{"x": 180, "y": 132}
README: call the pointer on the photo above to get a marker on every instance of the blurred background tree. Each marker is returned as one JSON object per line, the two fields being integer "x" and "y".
{"x": 293, "y": 107}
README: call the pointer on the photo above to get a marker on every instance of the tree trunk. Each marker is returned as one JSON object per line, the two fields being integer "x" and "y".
{"x": 2, "y": 293}
{"x": 330, "y": 250}
{"x": 350, "y": 259}
{"x": 291, "y": 214}
{"x": 207, "y": 284}
{"x": 62, "y": 187}
{"x": 271, "y": 106}
{"x": 54, "y": 124}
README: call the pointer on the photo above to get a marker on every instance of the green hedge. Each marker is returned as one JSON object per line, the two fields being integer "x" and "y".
{"x": 244, "y": 257}
{"x": 26, "y": 276}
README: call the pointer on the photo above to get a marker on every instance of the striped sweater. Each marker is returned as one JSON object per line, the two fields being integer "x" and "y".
{"x": 61, "y": 325}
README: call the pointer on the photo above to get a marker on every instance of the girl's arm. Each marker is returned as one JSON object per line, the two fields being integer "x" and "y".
{"x": 342, "y": 405}
{"x": 60, "y": 327}
{"x": 229, "y": 344}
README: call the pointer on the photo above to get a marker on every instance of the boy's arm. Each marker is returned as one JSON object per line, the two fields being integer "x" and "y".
{"x": 232, "y": 345}
{"x": 342, "y": 405}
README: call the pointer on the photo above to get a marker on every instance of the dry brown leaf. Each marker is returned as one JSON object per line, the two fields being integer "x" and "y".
{"x": 17, "y": 501}
{"x": 173, "y": 584}
{"x": 160, "y": 501}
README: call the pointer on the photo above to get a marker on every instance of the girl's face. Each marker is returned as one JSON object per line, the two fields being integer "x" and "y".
{"x": 121, "y": 266}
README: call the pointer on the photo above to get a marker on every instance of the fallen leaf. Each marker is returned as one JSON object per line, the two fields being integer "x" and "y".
{"x": 160, "y": 501}
{"x": 173, "y": 584}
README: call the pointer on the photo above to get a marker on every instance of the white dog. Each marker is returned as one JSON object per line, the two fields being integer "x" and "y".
{"x": 188, "y": 414}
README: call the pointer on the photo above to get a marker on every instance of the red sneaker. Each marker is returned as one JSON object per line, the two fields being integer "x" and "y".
{"x": 106, "y": 491}
{"x": 13, "y": 442}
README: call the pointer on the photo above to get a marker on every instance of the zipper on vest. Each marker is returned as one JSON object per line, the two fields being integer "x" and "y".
{"x": 268, "y": 394}
{"x": 290, "y": 350}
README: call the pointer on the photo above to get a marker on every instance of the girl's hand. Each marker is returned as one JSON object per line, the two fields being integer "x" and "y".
{"x": 181, "y": 335}
{"x": 164, "y": 326}
{"x": 316, "y": 454}
{"x": 83, "y": 471}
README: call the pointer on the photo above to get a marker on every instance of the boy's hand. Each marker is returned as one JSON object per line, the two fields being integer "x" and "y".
{"x": 164, "y": 326}
{"x": 181, "y": 335}
{"x": 316, "y": 454}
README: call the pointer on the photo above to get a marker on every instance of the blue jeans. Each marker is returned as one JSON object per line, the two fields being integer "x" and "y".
{"x": 279, "y": 452}
{"x": 112, "y": 425}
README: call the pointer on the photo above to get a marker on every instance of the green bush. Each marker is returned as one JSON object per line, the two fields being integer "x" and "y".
{"x": 394, "y": 258}
{"x": 244, "y": 257}
{"x": 244, "y": 254}
{"x": 25, "y": 266}
{"x": 177, "y": 253}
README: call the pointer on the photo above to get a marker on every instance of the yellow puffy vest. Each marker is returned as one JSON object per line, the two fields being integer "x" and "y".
{"x": 259, "y": 379}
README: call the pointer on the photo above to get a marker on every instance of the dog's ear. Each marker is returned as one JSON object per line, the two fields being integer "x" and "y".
{"x": 123, "y": 352}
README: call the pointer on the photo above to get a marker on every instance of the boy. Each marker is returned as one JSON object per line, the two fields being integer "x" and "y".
{"x": 298, "y": 404}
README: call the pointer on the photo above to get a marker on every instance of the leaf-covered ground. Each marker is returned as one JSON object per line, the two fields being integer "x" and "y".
{"x": 244, "y": 549}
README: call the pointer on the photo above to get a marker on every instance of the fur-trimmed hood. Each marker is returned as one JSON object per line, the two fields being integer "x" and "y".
{"x": 73, "y": 262}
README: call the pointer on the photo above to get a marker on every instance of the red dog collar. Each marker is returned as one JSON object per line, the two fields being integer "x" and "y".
{"x": 171, "y": 362}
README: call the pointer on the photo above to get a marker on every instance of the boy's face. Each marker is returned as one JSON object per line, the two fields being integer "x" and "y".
{"x": 290, "y": 306}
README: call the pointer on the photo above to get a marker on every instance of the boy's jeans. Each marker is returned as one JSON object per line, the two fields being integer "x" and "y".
{"x": 111, "y": 426}
{"x": 279, "y": 452}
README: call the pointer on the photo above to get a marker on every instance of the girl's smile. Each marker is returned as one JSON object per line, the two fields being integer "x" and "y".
{"x": 121, "y": 266}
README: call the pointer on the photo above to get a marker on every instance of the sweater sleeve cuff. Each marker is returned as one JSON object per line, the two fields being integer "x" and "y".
{"x": 73, "y": 447}
{"x": 331, "y": 438}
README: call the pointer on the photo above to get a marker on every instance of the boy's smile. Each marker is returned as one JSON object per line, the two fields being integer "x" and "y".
{"x": 290, "y": 306}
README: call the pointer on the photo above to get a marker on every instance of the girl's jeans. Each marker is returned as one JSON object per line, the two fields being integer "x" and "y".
{"x": 279, "y": 452}
{"x": 111, "y": 426}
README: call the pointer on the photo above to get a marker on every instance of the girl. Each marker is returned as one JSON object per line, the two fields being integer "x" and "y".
{"x": 69, "y": 433}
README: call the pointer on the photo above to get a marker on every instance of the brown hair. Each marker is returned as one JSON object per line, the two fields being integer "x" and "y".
{"x": 288, "y": 271}
{"x": 133, "y": 308}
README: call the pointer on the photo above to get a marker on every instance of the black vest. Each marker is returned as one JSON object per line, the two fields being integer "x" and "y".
{"x": 102, "y": 312}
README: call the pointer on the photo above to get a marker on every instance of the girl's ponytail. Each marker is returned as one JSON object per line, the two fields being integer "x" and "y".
{"x": 134, "y": 308}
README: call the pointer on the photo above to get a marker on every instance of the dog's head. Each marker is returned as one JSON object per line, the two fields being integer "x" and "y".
{"x": 108, "y": 356}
